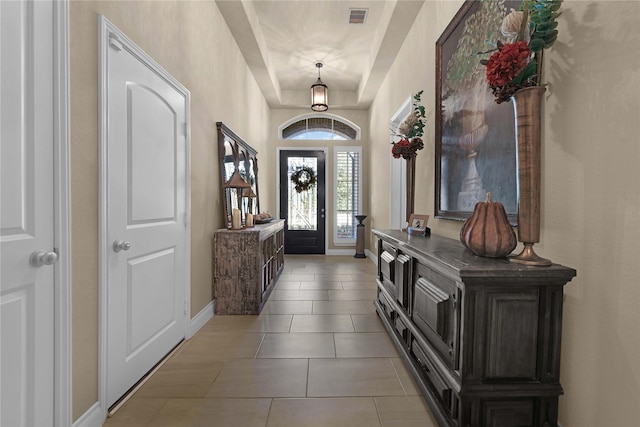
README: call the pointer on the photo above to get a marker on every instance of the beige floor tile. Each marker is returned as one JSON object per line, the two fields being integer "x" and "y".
{"x": 322, "y": 323}
{"x": 367, "y": 323}
{"x": 137, "y": 412}
{"x": 343, "y": 307}
{"x": 336, "y": 277}
{"x": 287, "y": 307}
{"x": 276, "y": 295}
{"x": 353, "y": 295}
{"x": 352, "y": 377}
{"x": 218, "y": 323}
{"x": 249, "y": 323}
{"x": 409, "y": 411}
{"x": 334, "y": 412}
{"x": 232, "y": 413}
{"x": 409, "y": 385}
{"x": 283, "y": 286}
{"x": 305, "y": 286}
{"x": 370, "y": 344}
{"x": 181, "y": 379}
{"x": 220, "y": 346}
{"x": 177, "y": 412}
{"x": 297, "y": 345}
{"x": 261, "y": 378}
{"x": 288, "y": 277}
{"x": 314, "y": 295}
{"x": 360, "y": 285}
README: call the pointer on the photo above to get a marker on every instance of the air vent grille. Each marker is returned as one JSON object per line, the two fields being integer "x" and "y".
{"x": 357, "y": 16}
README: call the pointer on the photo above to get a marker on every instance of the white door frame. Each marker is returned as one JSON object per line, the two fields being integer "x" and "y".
{"x": 397, "y": 173}
{"x": 106, "y": 30}
{"x": 62, "y": 397}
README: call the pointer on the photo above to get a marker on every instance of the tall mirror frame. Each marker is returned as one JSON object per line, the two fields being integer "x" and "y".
{"x": 235, "y": 154}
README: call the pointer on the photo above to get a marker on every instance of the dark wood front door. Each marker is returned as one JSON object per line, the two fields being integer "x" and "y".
{"x": 304, "y": 211}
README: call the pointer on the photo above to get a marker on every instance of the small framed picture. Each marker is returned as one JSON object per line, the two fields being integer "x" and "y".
{"x": 418, "y": 221}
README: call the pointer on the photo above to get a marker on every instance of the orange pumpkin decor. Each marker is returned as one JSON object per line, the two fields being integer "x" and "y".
{"x": 488, "y": 232}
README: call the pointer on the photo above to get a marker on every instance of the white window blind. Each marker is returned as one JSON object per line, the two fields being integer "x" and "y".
{"x": 348, "y": 203}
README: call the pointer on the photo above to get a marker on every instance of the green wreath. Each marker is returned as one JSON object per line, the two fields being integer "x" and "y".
{"x": 304, "y": 178}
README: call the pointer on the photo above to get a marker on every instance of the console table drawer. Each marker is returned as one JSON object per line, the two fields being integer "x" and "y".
{"x": 386, "y": 305}
{"x": 435, "y": 380}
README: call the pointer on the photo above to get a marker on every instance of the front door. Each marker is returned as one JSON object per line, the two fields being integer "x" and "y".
{"x": 27, "y": 214}
{"x": 304, "y": 207}
{"x": 146, "y": 151}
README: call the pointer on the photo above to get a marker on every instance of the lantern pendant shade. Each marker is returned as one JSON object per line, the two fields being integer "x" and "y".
{"x": 319, "y": 94}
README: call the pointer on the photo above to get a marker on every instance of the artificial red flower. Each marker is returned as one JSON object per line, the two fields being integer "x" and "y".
{"x": 399, "y": 148}
{"x": 407, "y": 149}
{"x": 505, "y": 64}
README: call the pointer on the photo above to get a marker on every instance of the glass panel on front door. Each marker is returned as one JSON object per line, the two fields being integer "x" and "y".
{"x": 303, "y": 209}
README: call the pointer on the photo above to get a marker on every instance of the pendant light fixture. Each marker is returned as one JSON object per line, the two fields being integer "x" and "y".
{"x": 319, "y": 93}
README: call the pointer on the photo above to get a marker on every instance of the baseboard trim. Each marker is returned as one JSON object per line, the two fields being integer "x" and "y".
{"x": 340, "y": 252}
{"x": 200, "y": 319}
{"x": 94, "y": 417}
{"x": 371, "y": 256}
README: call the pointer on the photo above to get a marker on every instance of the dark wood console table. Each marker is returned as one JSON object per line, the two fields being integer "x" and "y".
{"x": 480, "y": 336}
{"x": 246, "y": 266}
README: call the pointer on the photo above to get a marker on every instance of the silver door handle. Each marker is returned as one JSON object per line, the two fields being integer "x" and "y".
{"x": 40, "y": 258}
{"x": 121, "y": 245}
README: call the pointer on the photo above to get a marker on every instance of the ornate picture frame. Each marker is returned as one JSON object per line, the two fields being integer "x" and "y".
{"x": 475, "y": 141}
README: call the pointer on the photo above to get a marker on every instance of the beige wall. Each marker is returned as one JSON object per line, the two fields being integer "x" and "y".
{"x": 590, "y": 190}
{"x": 192, "y": 42}
{"x": 281, "y": 116}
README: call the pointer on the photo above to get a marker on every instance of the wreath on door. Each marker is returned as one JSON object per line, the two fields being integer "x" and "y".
{"x": 304, "y": 178}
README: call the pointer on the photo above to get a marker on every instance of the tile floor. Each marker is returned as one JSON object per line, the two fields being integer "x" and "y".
{"x": 317, "y": 355}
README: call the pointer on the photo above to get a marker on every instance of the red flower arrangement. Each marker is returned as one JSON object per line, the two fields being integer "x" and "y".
{"x": 407, "y": 149}
{"x": 410, "y": 132}
{"x": 505, "y": 64}
{"x": 518, "y": 64}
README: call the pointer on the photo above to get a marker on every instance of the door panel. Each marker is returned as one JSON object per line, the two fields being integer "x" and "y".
{"x": 26, "y": 213}
{"x": 150, "y": 274}
{"x": 152, "y": 166}
{"x": 304, "y": 211}
{"x": 146, "y": 208}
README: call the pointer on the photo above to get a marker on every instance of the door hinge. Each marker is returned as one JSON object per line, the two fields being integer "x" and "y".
{"x": 185, "y": 129}
{"x": 186, "y": 308}
{"x": 186, "y": 220}
{"x": 114, "y": 42}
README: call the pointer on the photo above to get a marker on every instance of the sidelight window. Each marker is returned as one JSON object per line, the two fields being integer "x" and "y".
{"x": 347, "y": 192}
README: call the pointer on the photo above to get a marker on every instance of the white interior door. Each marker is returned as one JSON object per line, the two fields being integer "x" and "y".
{"x": 27, "y": 214}
{"x": 146, "y": 153}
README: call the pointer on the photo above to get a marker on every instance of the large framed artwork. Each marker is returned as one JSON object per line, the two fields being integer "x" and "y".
{"x": 475, "y": 137}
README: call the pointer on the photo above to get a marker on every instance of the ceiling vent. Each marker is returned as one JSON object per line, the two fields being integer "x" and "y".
{"x": 357, "y": 16}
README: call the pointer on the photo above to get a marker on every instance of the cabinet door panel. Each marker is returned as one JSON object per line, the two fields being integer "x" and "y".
{"x": 387, "y": 264}
{"x": 512, "y": 335}
{"x": 507, "y": 413}
{"x": 435, "y": 311}
{"x": 402, "y": 280}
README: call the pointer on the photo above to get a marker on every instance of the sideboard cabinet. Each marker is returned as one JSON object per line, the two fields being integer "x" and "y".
{"x": 246, "y": 266}
{"x": 481, "y": 336}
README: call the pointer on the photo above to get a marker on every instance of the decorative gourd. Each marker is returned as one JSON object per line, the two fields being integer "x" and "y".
{"x": 488, "y": 232}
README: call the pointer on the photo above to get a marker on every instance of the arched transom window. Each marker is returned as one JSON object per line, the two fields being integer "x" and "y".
{"x": 322, "y": 127}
